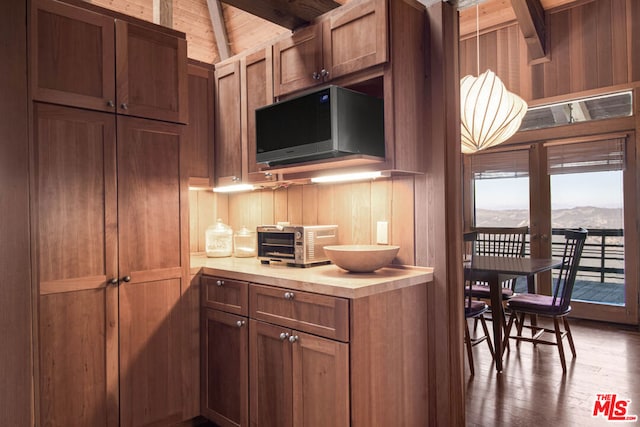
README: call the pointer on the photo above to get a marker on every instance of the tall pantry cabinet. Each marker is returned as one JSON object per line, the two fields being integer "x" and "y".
{"x": 109, "y": 218}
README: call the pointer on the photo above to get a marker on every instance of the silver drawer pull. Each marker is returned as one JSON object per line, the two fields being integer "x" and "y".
{"x": 219, "y": 282}
{"x": 293, "y": 338}
{"x": 240, "y": 323}
{"x": 284, "y": 336}
{"x": 288, "y": 295}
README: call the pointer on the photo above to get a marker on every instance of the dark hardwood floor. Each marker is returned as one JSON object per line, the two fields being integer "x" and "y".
{"x": 532, "y": 390}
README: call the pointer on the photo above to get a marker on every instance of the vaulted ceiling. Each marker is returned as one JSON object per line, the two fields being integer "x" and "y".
{"x": 207, "y": 21}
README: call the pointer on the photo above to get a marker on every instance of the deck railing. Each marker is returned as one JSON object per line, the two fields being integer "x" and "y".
{"x": 602, "y": 256}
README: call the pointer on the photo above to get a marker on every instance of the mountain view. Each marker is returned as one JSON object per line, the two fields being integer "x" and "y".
{"x": 584, "y": 216}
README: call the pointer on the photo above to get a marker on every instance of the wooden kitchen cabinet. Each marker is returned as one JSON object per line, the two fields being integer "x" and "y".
{"x": 347, "y": 40}
{"x": 318, "y": 359}
{"x": 256, "y": 70}
{"x": 110, "y": 273}
{"x": 198, "y": 134}
{"x": 297, "y": 379}
{"x": 225, "y": 351}
{"x": 228, "y": 125}
{"x": 76, "y": 206}
{"x": 88, "y": 59}
{"x": 151, "y": 73}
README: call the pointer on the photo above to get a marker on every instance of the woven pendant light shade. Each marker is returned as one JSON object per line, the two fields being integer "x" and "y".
{"x": 489, "y": 113}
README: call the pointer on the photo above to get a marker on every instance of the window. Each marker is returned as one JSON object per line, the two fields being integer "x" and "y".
{"x": 501, "y": 183}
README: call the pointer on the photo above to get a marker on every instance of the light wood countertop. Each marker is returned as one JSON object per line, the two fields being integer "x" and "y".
{"x": 324, "y": 279}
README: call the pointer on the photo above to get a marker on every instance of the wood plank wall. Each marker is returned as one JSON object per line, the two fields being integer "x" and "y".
{"x": 16, "y": 369}
{"x": 354, "y": 207}
{"x": 593, "y": 45}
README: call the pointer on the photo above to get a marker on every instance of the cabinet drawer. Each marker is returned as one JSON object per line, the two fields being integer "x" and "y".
{"x": 225, "y": 294}
{"x": 316, "y": 314}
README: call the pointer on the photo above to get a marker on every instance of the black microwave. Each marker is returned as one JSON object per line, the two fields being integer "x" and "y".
{"x": 330, "y": 122}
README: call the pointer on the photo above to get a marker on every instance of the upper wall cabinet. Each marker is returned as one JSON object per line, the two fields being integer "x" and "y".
{"x": 256, "y": 70}
{"x": 347, "y": 40}
{"x": 228, "y": 125}
{"x": 74, "y": 53}
{"x": 198, "y": 134}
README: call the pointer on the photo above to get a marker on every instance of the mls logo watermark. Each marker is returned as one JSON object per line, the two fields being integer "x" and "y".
{"x": 612, "y": 408}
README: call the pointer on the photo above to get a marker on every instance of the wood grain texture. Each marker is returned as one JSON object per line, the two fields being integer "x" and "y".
{"x": 16, "y": 352}
{"x": 228, "y": 131}
{"x": 388, "y": 355}
{"x": 78, "y": 365}
{"x": 270, "y": 384}
{"x": 320, "y": 381}
{"x": 149, "y": 184}
{"x": 75, "y": 187}
{"x": 198, "y": 134}
{"x": 291, "y": 15}
{"x": 225, "y": 380}
{"x": 295, "y": 59}
{"x": 317, "y": 314}
{"x": 348, "y": 44}
{"x": 439, "y": 221}
{"x": 591, "y": 47}
{"x": 151, "y": 73}
{"x": 150, "y": 328}
{"x": 226, "y": 295}
{"x": 192, "y": 18}
{"x": 72, "y": 56}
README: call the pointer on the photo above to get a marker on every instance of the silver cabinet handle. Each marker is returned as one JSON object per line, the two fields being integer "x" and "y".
{"x": 324, "y": 73}
{"x": 240, "y": 323}
{"x": 293, "y": 338}
{"x": 316, "y": 75}
{"x": 288, "y": 295}
{"x": 110, "y": 103}
{"x": 113, "y": 282}
{"x": 124, "y": 106}
{"x": 284, "y": 336}
{"x": 219, "y": 282}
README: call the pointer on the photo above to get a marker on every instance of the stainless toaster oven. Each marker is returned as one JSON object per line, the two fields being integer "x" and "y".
{"x": 297, "y": 245}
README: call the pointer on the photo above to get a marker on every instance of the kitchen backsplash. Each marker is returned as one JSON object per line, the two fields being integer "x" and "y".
{"x": 354, "y": 207}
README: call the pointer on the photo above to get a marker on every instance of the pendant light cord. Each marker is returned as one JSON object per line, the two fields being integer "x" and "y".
{"x": 477, "y": 39}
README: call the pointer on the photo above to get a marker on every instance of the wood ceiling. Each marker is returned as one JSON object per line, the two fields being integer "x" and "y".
{"x": 244, "y": 30}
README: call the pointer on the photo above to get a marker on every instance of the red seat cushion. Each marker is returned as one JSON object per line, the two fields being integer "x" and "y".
{"x": 482, "y": 291}
{"x": 474, "y": 308}
{"x": 537, "y": 304}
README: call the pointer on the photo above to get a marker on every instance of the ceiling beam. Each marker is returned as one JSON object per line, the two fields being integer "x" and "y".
{"x": 530, "y": 15}
{"x": 219, "y": 29}
{"x": 163, "y": 12}
{"x": 290, "y": 14}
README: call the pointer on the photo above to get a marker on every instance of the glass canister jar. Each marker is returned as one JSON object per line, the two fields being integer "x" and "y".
{"x": 218, "y": 240}
{"x": 244, "y": 243}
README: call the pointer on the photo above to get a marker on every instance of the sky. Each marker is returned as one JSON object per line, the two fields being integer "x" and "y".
{"x": 599, "y": 189}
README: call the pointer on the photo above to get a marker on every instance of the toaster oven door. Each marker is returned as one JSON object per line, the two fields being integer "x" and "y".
{"x": 276, "y": 245}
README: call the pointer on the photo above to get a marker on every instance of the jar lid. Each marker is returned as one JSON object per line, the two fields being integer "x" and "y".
{"x": 244, "y": 231}
{"x": 220, "y": 227}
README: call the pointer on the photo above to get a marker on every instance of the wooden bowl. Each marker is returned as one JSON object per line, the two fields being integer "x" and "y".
{"x": 361, "y": 258}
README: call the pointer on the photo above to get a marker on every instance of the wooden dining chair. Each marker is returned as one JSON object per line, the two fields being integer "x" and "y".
{"x": 498, "y": 241}
{"x": 555, "y": 306}
{"x": 475, "y": 309}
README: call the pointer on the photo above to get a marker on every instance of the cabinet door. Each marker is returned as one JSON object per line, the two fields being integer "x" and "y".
{"x": 257, "y": 91}
{"x": 320, "y": 381}
{"x": 72, "y": 56}
{"x": 151, "y": 73}
{"x": 297, "y": 61}
{"x": 198, "y": 134}
{"x": 228, "y": 140}
{"x": 356, "y": 38}
{"x": 75, "y": 200}
{"x": 225, "y": 379}
{"x": 270, "y": 375}
{"x": 151, "y": 261}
